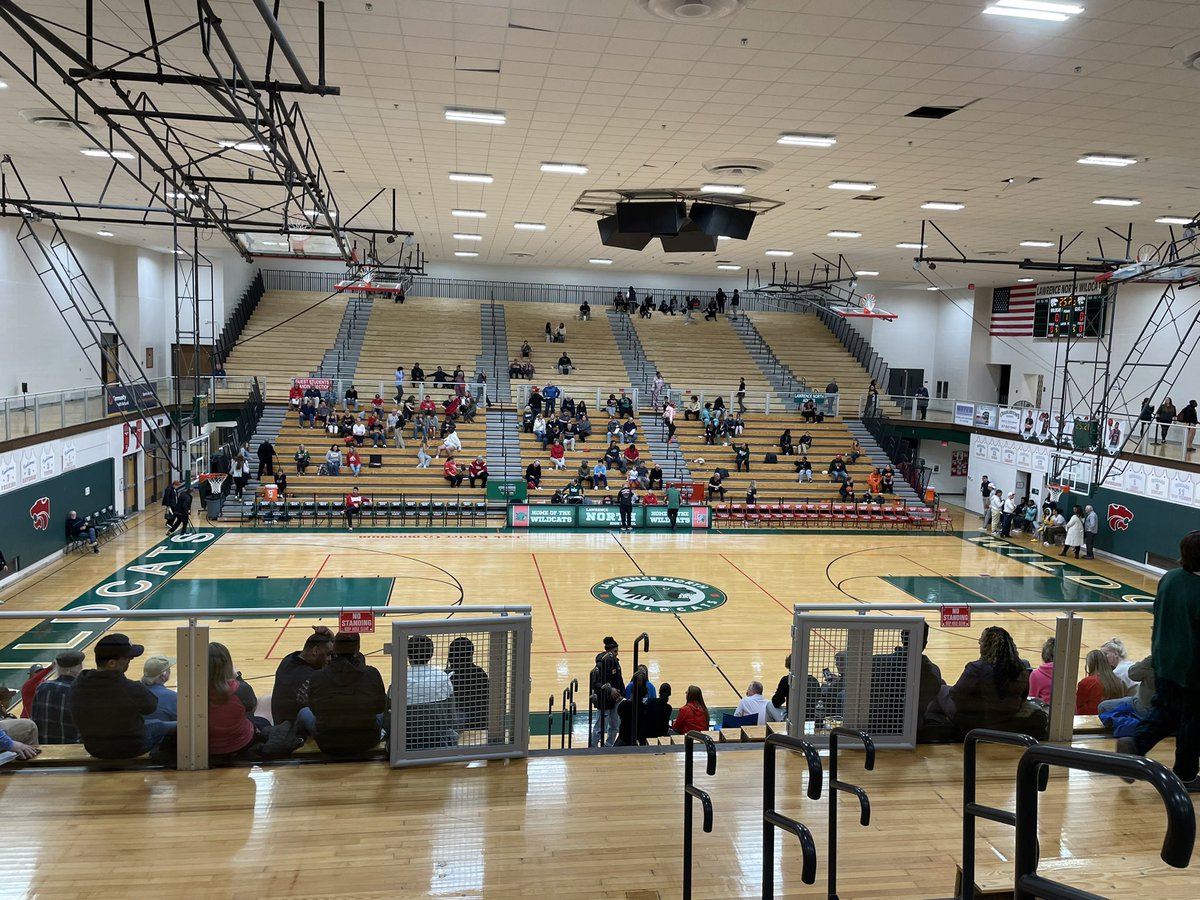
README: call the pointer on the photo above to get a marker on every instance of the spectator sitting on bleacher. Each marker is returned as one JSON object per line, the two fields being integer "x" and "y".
{"x": 110, "y": 710}
{"x": 377, "y": 403}
{"x": 752, "y": 494}
{"x": 333, "y": 460}
{"x": 430, "y": 717}
{"x": 311, "y": 393}
{"x": 515, "y": 369}
{"x": 846, "y": 491}
{"x": 440, "y": 378}
{"x": 450, "y": 407}
{"x": 525, "y": 349}
{"x": 613, "y": 457}
{"x": 558, "y": 455}
{"x": 692, "y": 410}
{"x": 560, "y": 333}
{"x": 855, "y": 452}
{"x": 218, "y": 372}
{"x": 630, "y": 456}
{"x": 837, "y": 469}
{"x": 656, "y": 477}
{"x": 428, "y": 406}
{"x": 346, "y": 427}
{"x": 809, "y": 411}
{"x": 715, "y": 485}
{"x": 478, "y": 471}
{"x": 78, "y": 529}
{"x": 533, "y": 475}
{"x": 424, "y": 457}
{"x": 308, "y": 413}
{"x": 639, "y": 475}
{"x": 786, "y": 447}
{"x": 156, "y": 672}
{"x": 417, "y": 374}
{"x": 50, "y": 713}
{"x": 610, "y": 405}
{"x": 294, "y": 395}
{"x": 346, "y": 701}
{"x": 874, "y": 480}
{"x": 323, "y": 413}
{"x": 585, "y": 311}
{"x": 359, "y": 432}
{"x": 741, "y": 456}
{"x": 625, "y": 406}
{"x": 351, "y": 398}
{"x": 583, "y": 427}
{"x": 294, "y": 672}
{"x": 18, "y": 736}
{"x": 754, "y": 703}
{"x": 378, "y": 435}
{"x": 230, "y": 726}
{"x": 990, "y": 691}
{"x": 470, "y": 684}
{"x": 803, "y": 470}
{"x": 539, "y": 428}
{"x": 353, "y": 461}
{"x": 598, "y": 475}
{"x": 565, "y": 367}
{"x": 693, "y": 715}
{"x": 467, "y": 408}
{"x": 637, "y": 699}
{"x": 574, "y": 492}
{"x": 452, "y": 473}
{"x": 281, "y": 483}
{"x": 629, "y": 429}
{"x": 887, "y": 482}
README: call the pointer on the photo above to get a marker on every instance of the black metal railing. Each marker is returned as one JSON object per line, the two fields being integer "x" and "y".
{"x": 566, "y": 734}
{"x": 236, "y": 321}
{"x": 1181, "y": 815}
{"x": 642, "y": 641}
{"x": 860, "y": 348}
{"x": 836, "y": 787}
{"x": 973, "y": 810}
{"x": 690, "y": 792}
{"x": 773, "y": 819}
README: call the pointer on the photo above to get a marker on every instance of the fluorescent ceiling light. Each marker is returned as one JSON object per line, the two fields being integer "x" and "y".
{"x": 1037, "y": 243}
{"x": 724, "y": 237}
{"x": 843, "y": 234}
{"x": 476, "y": 116}
{"x": 274, "y": 243}
{"x": 1024, "y": 281}
{"x": 600, "y": 262}
{"x": 1100, "y": 159}
{"x": 1174, "y": 220}
{"x": 564, "y": 168}
{"x": 101, "y": 153}
{"x": 807, "y": 140}
{"x": 471, "y": 177}
{"x": 722, "y": 189}
{"x": 3, "y": 85}
{"x": 182, "y": 195}
{"x": 529, "y": 226}
{"x": 465, "y": 253}
{"x": 727, "y": 267}
{"x": 1034, "y": 9}
{"x": 908, "y": 246}
{"x": 1116, "y": 201}
{"x": 865, "y": 273}
{"x": 852, "y": 186}
{"x": 933, "y": 287}
{"x": 314, "y": 213}
{"x": 250, "y": 146}
{"x": 469, "y": 213}
{"x": 939, "y": 204}
{"x": 781, "y": 253}
{"x": 459, "y": 236}
{"x": 105, "y": 233}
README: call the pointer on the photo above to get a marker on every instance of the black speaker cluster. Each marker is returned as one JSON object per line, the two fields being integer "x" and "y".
{"x": 681, "y": 230}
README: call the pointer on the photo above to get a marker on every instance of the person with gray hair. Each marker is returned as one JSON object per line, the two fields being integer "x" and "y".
{"x": 156, "y": 672}
{"x": 754, "y": 703}
{"x": 1091, "y": 527}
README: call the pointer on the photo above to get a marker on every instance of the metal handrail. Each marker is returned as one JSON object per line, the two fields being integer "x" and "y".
{"x": 1181, "y": 815}
{"x": 973, "y": 810}
{"x": 691, "y": 791}
{"x": 269, "y": 612}
{"x": 836, "y": 786}
{"x": 565, "y": 733}
{"x": 642, "y": 639}
{"x": 1065, "y": 606}
{"x": 773, "y": 819}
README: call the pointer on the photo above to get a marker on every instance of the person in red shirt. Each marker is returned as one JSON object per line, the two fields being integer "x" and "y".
{"x": 353, "y": 461}
{"x": 631, "y": 455}
{"x": 294, "y": 396}
{"x": 452, "y": 406}
{"x": 650, "y": 499}
{"x": 452, "y": 473}
{"x": 1101, "y": 683}
{"x": 558, "y": 455}
{"x": 354, "y": 507}
{"x": 427, "y": 405}
{"x": 478, "y": 470}
{"x": 229, "y": 729}
{"x": 377, "y": 404}
{"x": 694, "y": 714}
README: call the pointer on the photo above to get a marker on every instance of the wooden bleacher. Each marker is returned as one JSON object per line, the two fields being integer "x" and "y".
{"x": 291, "y": 350}
{"x": 591, "y": 346}
{"x": 593, "y": 449}
{"x": 427, "y": 330}
{"x": 705, "y": 356}
{"x": 810, "y": 350}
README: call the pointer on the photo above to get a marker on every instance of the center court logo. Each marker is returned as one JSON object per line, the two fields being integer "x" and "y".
{"x": 657, "y": 594}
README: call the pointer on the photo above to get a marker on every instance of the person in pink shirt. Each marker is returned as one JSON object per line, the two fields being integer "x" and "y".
{"x": 1041, "y": 678}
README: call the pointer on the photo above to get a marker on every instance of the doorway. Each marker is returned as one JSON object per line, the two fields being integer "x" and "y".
{"x": 109, "y": 367}
{"x": 130, "y": 480}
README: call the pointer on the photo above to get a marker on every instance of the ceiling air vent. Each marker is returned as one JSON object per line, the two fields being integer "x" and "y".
{"x": 51, "y": 118}
{"x": 869, "y": 197}
{"x": 691, "y": 10}
{"x": 737, "y": 168}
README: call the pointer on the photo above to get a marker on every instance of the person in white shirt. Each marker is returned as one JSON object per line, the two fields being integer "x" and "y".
{"x": 1006, "y": 515}
{"x": 429, "y": 698}
{"x": 754, "y": 703}
{"x": 452, "y": 444}
{"x": 996, "y": 508}
{"x": 1118, "y": 657}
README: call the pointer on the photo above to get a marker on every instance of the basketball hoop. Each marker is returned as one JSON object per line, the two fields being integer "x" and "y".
{"x": 869, "y": 302}
{"x": 216, "y": 482}
{"x": 1054, "y": 492}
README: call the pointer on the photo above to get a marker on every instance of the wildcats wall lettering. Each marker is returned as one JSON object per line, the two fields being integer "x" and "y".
{"x": 128, "y": 588}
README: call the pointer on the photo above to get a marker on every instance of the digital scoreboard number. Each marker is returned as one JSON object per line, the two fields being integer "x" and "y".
{"x": 1072, "y": 315}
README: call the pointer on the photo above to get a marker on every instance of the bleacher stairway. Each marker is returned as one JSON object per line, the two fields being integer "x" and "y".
{"x": 341, "y": 360}
{"x": 903, "y": 490}
{"x": 780, "y": 376}
{"x": 268, "y": 430}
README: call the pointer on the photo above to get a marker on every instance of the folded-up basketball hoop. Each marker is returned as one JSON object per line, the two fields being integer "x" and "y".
{"x": 867, "y": 309}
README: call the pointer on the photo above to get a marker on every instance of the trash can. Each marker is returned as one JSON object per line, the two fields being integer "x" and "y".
{"x": 213, "y": 508}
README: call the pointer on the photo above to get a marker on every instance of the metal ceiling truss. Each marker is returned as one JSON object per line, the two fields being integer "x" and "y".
{"x": 1085, "y": 385}
{"x": 830, "y": 282}
{"x": 603, "y": 201}
{"x": 250, "y": 166}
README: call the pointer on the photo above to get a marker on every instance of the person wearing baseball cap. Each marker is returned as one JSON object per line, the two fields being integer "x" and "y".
{"x": 50, "y": 713}
{"x": 156, "y": 672}
{"x": 110, "y": 710}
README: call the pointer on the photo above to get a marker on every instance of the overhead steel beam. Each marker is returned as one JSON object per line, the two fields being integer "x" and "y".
{"x": 284, "y": 87}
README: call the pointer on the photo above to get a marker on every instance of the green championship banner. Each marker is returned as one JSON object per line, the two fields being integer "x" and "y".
{"x": 522, "y": 515}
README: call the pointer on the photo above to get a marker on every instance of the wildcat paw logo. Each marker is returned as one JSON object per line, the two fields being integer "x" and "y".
{"x": 1119, "y": 517}
{"x": 40, "y": 513}
{"x": 657, "y": 594}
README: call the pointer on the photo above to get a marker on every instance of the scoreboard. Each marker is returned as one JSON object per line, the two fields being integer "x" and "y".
{"x": 1073, "y": 315}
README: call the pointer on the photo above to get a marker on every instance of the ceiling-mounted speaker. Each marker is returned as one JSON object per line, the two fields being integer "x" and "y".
{"x": 654, "y": 217}
{"x": 612, "y": 236}
{"x": 716, "y": 219}
{"x": 689, "y": 240}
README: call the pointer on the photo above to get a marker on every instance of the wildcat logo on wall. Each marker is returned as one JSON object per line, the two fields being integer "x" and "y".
{"x": 1120, "y": 517}
{"x": 40, "y": 513}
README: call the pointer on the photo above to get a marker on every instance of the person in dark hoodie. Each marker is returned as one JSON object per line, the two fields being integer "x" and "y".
{"x": 296, "y": 670}
{"x": 110, "y": 710}
{"x": 470, "y": 684}
{"x": 346, "y": 701}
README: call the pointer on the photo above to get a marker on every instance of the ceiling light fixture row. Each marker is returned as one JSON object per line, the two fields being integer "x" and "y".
{"x": 1041, "y": 10}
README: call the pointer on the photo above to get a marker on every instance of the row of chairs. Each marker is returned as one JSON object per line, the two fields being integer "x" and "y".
{"x": 107, "y": 523}
{"x": 378, "y": 512}
{"x": 890, "y": 515}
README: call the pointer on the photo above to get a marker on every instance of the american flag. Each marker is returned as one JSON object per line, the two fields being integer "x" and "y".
{"x": 1012, "y": 311}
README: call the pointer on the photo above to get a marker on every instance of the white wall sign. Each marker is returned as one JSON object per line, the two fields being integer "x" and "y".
{"x": 68, "y": 457}
{"x": 1157, "y": 485}
{"x": 29, "y": 467}
{"x": 8, "y": 473}
{"x": 47, "y": 462}
{"x": 1182, "y": 489}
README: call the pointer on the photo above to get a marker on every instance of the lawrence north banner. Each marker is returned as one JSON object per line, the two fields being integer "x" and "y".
{"x": 596, "y": 516}
{"x": 124, "y": 397}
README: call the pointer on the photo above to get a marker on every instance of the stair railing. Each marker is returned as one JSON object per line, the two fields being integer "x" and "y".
{"x": 773, "y": 819}
{"x": 690, "y": 792}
